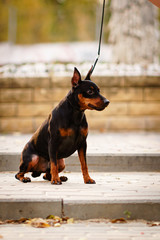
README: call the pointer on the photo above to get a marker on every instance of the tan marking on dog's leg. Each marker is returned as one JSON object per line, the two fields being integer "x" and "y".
{"x": 87, "y": 178}
{"x": 54, "y": 174}
{"x": 20, "y": 177}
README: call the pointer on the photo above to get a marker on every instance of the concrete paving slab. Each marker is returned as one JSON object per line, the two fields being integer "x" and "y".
{"x": 106, "y": 152}
{"x": 113, "y": 193}
{"x": 84, "y": 230}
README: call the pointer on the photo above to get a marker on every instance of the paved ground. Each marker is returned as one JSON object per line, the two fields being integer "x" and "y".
{"x": 109, "y": 187}
{"x": 98, "y": 143}
{"x": 111, "y": 196}
{"x": 113, "y": 193}
{"x": 83, "y": 231}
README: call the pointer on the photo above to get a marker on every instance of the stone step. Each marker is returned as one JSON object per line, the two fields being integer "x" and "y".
{"x": 97, "y": 162}
{"x": 105, "y": 152}
{"x": 115, "y": 195}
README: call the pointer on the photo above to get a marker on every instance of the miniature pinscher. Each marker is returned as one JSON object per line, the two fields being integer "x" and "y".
{"x": 64, "y": 132}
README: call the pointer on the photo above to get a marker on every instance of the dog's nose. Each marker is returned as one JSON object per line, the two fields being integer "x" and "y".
{"x": 106, "y": 102}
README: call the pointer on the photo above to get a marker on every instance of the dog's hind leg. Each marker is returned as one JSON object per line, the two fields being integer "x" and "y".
{"x": 35, "y": 174}
{"x": 47, "y": 175}
{"x": 20, "y": 174}
{"x": 26, "y": 166}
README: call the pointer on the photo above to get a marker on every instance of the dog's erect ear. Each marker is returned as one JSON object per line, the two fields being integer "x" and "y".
{"x": 76, "y": 79}
{"x": 88, "y": 77}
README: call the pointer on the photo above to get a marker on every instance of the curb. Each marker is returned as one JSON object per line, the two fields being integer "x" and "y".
{"x": 29, "y": 209}
{"x": 79, "y": 209}
{"x": 115, "y": 209}
{"x": 97, "y": 162}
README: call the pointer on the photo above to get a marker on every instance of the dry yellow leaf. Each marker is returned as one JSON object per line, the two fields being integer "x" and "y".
{"x": 70, "y": 220}
{"x": 57, "y": 225}
{"x": 38, "y": 223}
{"x": 58, "y": 219}
{"x": 50, "y": 217}
{"x": 119, "y": 220}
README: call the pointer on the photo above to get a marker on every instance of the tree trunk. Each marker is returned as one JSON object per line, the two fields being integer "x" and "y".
{"x": 134, "y": 32}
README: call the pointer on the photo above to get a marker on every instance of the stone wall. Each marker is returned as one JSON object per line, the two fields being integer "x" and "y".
{"x": 135, "y": 103}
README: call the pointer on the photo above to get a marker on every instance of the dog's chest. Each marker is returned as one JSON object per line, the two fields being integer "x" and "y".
{"x": 71, "y": 140}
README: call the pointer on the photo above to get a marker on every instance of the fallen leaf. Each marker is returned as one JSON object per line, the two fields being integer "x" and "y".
{"x": 153, "y": 224}
{"x": 64, "y": 219}
{"x": 118, "y": 220}
{"x": 21, "y": 220}
{"x": 58, "y": 219}
{"x": 51, "y": 222}
{"x": 38, "y": 223}
{"x": 50, "y": 217}
{"x": 1, "y": 236}
{"x": 57, "y": 225}
{"x": 70, "y": 221}
{"x": 9, "y": 221}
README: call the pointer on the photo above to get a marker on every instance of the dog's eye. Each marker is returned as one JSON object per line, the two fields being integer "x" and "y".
{"x": 90, "y": 92}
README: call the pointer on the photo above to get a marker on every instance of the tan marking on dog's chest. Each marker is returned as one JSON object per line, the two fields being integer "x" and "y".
{"x": 66, "y": 132}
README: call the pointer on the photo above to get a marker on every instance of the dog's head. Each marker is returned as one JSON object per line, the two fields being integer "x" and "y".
{"x": 87, "y": 93}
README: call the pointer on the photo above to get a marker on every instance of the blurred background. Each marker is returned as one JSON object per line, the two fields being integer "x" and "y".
{"x": 42, "y": 40}
{"x": 39, "y": 21}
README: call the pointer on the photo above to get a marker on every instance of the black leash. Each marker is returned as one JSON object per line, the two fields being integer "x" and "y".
{"x": 100, "y": 39}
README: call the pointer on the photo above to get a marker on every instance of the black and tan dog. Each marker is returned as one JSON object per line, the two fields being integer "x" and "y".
{"x": 64, "y": 132}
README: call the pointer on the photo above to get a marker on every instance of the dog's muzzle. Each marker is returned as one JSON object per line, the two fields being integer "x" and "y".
{"x": 106, "y": 102}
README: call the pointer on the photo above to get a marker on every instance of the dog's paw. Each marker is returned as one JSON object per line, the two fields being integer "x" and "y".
{"x": 21, "y": 178}
{"x": 90, "y": 181}
{"x": 55, "y": 182}
{"x": 63, "y": 179}
{"x": 47, "y": 177}
{"x": 26, "y": 179}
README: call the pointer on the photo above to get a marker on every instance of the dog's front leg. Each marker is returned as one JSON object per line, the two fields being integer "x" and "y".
{"x": 83, "y": 161}
{"x": 53, "y": 161}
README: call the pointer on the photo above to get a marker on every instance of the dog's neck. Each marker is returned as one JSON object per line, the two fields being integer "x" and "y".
{"x": 72, "y": 101}
{"x": 77, "y": 113}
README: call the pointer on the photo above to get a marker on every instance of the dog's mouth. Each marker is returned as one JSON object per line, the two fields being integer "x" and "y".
{"x": 99, "y": 108}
